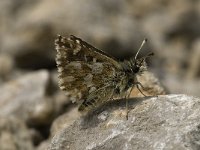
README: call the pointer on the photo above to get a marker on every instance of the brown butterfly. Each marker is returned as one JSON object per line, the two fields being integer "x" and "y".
{"x": 90, "y": 77}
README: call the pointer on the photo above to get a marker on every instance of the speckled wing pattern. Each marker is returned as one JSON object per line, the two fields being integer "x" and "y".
{"x": 85, "y": 73}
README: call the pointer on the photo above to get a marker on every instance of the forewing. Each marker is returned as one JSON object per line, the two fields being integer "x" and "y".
{"x": 82, "y": 68}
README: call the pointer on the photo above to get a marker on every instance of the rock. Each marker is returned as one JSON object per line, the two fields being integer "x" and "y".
{"x": 26, "y": 98}
{"x": 194, "y": 61}
{"x": 14, "y": 135}
{"x": 6, "y": 66}
{"x": 163, "y": 122}
{"x": 180, "y": 85}
{"x": 151, "y": 84}
{"x": 43, "y": 145}
{"x": 27, "y": 33}
{"x": 61, "y": 102}
{"x": 42, "y": 113}
{"x": 64, "y": 120}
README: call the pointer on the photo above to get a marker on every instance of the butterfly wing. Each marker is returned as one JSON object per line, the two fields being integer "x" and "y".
{"x": 83, "y": 69}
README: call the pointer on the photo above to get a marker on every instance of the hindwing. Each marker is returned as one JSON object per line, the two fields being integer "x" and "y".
{"x": 82, "y": 68}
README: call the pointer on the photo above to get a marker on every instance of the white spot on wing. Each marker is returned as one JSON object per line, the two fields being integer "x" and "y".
{"x": 85, "y": 57}
{"x": 79, "y": 95}
{"x": 58, "y": 56}
{"x": 94, "y": 60}
{"x": 76, "y": 65}
{"x": 75, "y": 95}
{"x": 77, "y": 41}
{"x": 77, "y": 48}
{"x": 92, "y": 89}
{"x": 58, "y": 62}
{"x": 97, "y": 68}
{"x": 88, "y": 80}
{"x": 62, "y": 87}
{"x": 60, "y": 69}
{"x": 68, "y": 79}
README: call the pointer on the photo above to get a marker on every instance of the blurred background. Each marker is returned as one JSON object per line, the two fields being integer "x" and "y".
{"x": 29, "y": 96}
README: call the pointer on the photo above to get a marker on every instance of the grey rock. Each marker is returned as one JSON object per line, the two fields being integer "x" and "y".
{"x": 60, "y": 99}
{"x": 194, "y": 61}
{"x": 6, "y": 66}
{"x": 64, "y": 120}
{"x": 177, "y": 85}
{"x": 14, "y": 135}
{"x": 164, "y": 122}
{"x": 43, "y": 145}
{"x": 28, "y": 29}
{"x": 26, "y": 98}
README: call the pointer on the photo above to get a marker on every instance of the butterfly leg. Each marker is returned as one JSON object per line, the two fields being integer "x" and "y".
{"x": 112, "y": 96}
{"x": 127, "y": 97}
{"x": 139, "y": 84}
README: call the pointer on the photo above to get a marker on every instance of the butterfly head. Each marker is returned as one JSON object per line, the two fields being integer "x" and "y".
{"x": 136, "y": 65}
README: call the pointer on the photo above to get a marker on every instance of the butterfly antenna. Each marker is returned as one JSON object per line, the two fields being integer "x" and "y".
{"x": 143, "y": 42}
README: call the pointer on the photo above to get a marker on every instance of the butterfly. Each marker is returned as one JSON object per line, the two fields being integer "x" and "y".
{"x": 90, "y": 76}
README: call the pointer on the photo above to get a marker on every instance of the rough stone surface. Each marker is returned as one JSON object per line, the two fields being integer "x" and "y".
{"x": 25, "y": 98}
{"x": 6, "y": 66}
{"x": 194, "y": 63}
{"x": 14, "y": 135}
{"x": 180, "y": 86}
{"x": 43, "y": 145}
{"x": 163, "y": 122}
{"x": 64, "y": 120}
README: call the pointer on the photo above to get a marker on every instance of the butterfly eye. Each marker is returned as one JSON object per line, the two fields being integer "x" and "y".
{"x": 130, "y": 82}
{"x": 135, "y": 69}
